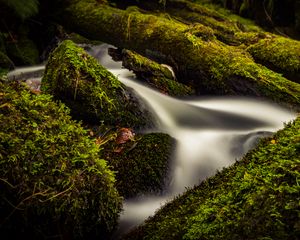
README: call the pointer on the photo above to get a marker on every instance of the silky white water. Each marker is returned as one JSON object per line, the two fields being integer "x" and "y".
{"x": 211, "y": 133}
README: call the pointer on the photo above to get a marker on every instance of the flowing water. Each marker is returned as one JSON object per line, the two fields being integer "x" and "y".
{"x": 211, "y": 133}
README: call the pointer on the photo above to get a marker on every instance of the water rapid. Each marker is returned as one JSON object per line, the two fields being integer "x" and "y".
{"x": 211, "y": 133}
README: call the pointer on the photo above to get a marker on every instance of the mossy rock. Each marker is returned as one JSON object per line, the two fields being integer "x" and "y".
{"x": 52, "y": 180}
{"x": 256, "y": 198}
{"x": 158, "y": 76}
{"x": 141, "y": 163}
{"x": 93, "y": 93}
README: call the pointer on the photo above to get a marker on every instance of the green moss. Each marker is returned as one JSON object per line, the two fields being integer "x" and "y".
{"x": 78, "y": 39}
{"x": 256, "y": 198}
{"x": 52, "y": 180}
{"x": 92, "y": 93}
{"x": 281, "y": 54}
{"x": 225, "y": 25}
{"x": 141, "y": 164}
{"x": 156, "y": 75}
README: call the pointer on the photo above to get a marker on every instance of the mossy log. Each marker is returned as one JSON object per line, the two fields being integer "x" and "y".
{"x": 93, "y": 93}
{"x": 53, "y": 182}
{"x": 256, "y": 198}
{"x": 278, "y": 53}
{"x": 206, "y": 64}
{"x": 141, "y": 162}
{"x": 158, "y": 76}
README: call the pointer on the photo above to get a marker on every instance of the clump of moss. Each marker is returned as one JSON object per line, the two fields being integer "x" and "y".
{"x": 141, "y": 163}
{"x": 52, "y": 180}
{"x": 92, "y": 93}
{"x": 203, "y": 32}
{"x": 158, "y": 76}
{"x": 256, "y": 198}
{"x": 278, "y": 53}
{"x": 235, "y": 71}
{"x": 78, "y": 39}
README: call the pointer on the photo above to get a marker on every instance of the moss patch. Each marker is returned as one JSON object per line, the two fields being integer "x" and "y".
{"x": 279, "y": 53}
{"x": 92, "y": 93}
{"x": 51, "y": 177}
{"x": 141, "y": 164}
{"x": 156, "y": 75}
{"x": 256, "y": 198}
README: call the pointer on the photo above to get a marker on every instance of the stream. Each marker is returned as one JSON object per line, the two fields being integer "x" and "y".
{"x": 211, "y": 133}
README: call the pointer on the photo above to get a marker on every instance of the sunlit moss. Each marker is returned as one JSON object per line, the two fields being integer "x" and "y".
{"x": 156, "y": 75}
{"x": 281, "y": 54}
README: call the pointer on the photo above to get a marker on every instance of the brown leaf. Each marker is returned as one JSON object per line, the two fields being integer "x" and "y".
{"x": 125, "y": 135}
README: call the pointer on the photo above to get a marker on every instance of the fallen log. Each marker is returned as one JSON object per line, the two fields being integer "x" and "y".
{"x": 204, "y": 63}
{"x": 280, "y": 54}
{"x": 158, "y": 76}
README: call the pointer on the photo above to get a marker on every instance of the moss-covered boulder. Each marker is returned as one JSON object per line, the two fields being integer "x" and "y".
{"x": 141, "y": 162}
{"x": 158, "y": 76}
{"x": 52, "y": 180}
{"x": 256, "y": 198}
{"x": 92, "y": 92}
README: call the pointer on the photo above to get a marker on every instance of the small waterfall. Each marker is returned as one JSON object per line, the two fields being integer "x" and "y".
{"x": 211, "y": 133}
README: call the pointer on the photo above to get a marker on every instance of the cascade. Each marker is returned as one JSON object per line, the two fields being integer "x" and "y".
{"x": 211, "y": 133}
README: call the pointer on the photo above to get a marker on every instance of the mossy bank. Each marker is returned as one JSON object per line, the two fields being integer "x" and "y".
{"x": 52, "y": 180}
{"x": 256, "y": 198}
